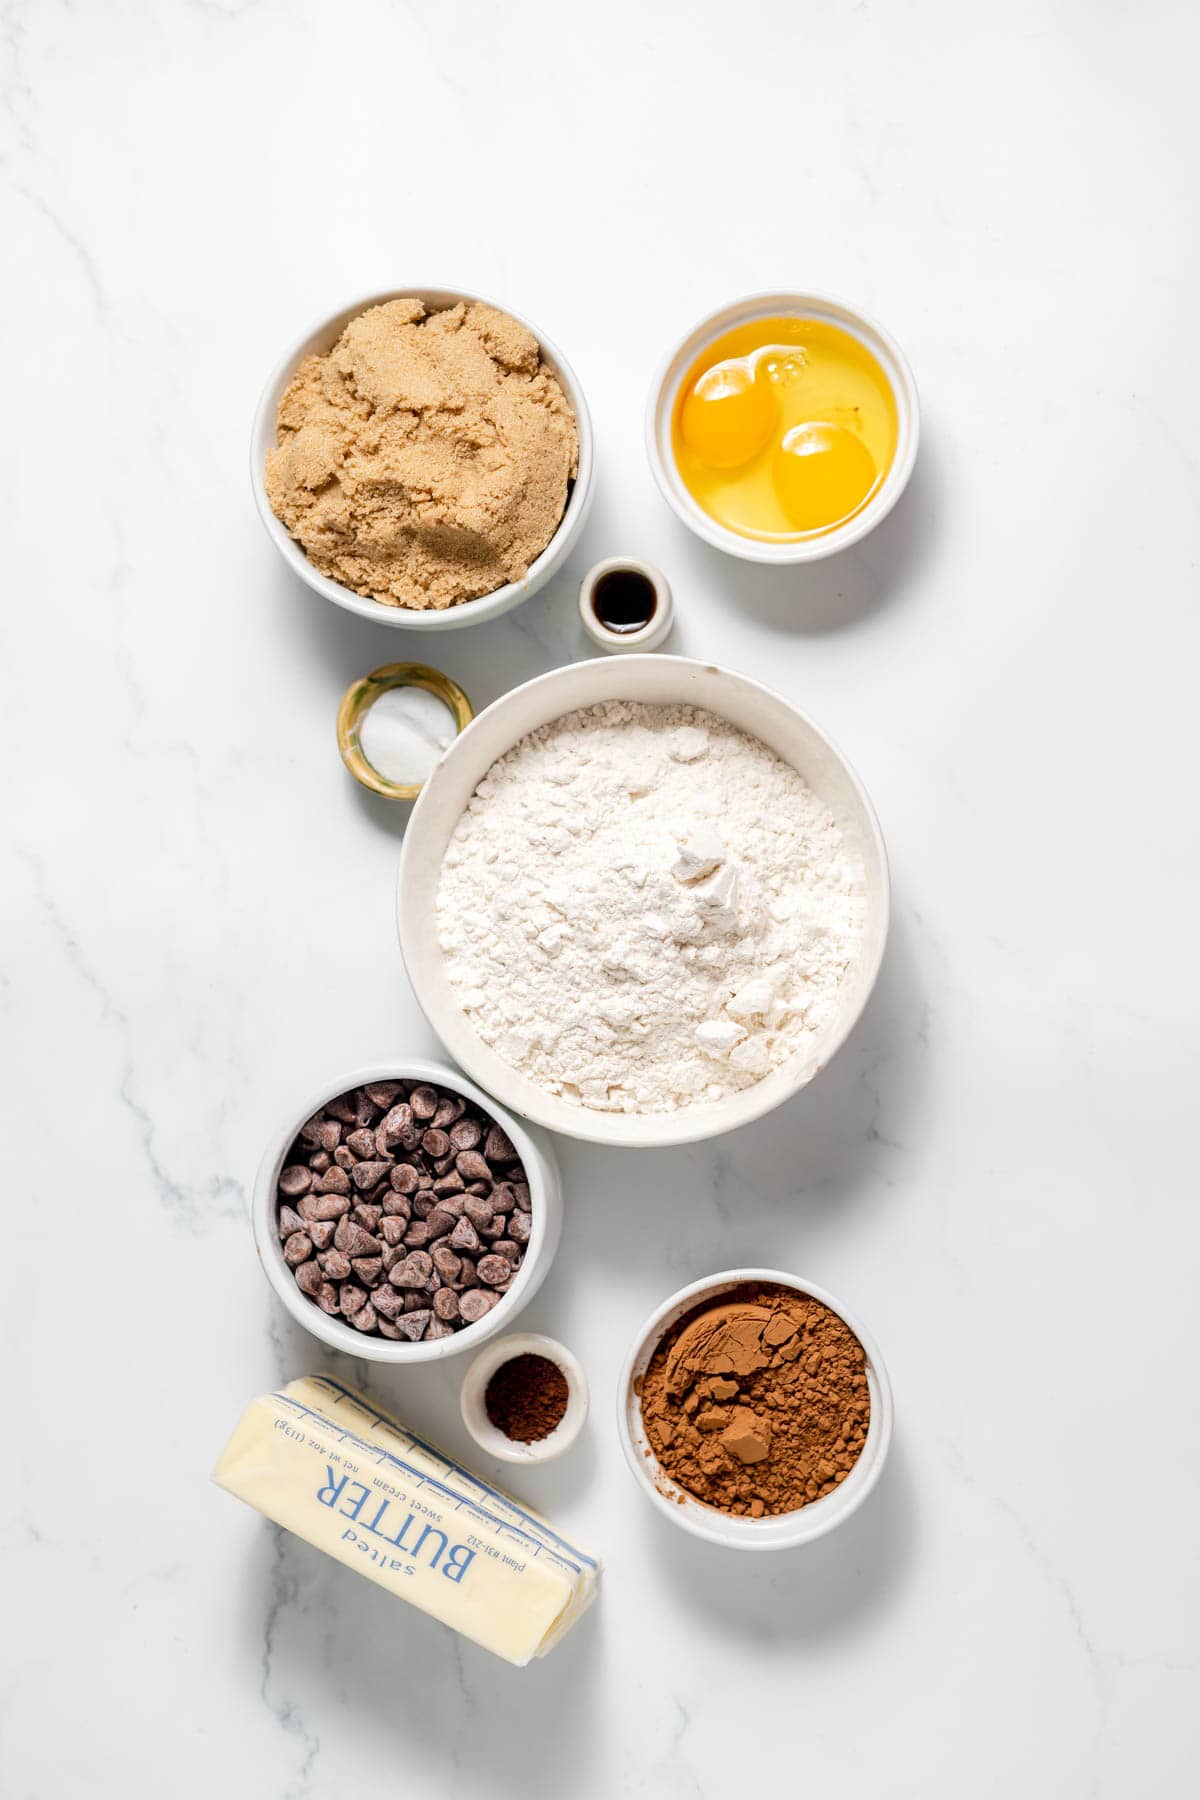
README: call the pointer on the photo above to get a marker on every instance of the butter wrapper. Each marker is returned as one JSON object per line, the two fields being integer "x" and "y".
{"x": 323, "y": 1462}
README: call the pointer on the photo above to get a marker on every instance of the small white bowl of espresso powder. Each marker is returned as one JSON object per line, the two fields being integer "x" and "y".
{"x": 396, "y": 724}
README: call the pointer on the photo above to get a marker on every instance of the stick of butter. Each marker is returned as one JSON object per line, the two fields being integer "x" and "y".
{"x": 319, "y": 1459}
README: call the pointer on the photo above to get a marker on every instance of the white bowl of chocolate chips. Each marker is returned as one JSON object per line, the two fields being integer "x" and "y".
{"x": 402, "y": 1216}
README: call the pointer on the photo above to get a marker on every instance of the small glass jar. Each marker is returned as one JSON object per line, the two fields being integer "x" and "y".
{"x": 357, "y": 702}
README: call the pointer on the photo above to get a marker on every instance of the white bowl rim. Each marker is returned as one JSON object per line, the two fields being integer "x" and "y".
{"x": 862, "y": 325}
{"x": 819, "y": 1516}
{"x": 541, "y": 1168}
{"x": 688, "y": 1125}
{"x": 467, "y": 612}
{"x": 474, "y": 1386}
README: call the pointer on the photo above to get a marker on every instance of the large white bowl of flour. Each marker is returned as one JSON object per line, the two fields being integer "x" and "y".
{"x": 644, "y": 930}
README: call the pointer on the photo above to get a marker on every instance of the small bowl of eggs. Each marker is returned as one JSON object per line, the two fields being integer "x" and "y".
{"x": 784, "y": 427}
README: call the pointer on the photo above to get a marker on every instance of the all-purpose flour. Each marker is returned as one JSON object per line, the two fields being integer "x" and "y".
{"x": 643, "y": 908}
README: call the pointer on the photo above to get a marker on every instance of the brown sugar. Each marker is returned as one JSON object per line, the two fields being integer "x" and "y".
{"x": 756, "y": 1401}
{"x": 426, "y": 459}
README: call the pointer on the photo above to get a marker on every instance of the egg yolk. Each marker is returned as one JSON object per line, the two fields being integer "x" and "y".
{"x": 822, "y": 474}
{"x": 729, "y": 415}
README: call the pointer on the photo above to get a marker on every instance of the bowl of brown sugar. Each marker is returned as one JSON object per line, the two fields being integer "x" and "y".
{"x": 423, "y": 458}
{"x": 754, "y": 1411}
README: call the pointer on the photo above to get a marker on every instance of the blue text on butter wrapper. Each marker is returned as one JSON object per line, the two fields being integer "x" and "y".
{"x": 354, "y": 1496}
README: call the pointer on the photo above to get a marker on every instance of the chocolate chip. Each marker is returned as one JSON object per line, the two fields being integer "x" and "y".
{"x": 424, "y": 1102}
{"x": 351, "y": 1298}
{"x": 289, "y": 1222}
{"x": 474, "y": 1305}
{"x": 464, "y": 1236}
{"x": 438, "y": 1328}
{"x": 447, "y": 1264}
{"x": 295, "y": 1180}
{"x": 334, "y": 1181}
{"x": 386, "y": 1301}
{"x": 450, "y": 1183}
{"x": 446, "y": 1304}
{"x": 332, "y": 1206}
{"x": 383, "y": 1093}
{"x": 471, "y": 1166}
{"x": 479, "y": 1210}
{"x": 365, "y": 1110}
{"x": 445, "y": 1115}
{"x": 327, "y": 1297}
{"x": 309, "y": 1278}
{"x": 396, "y": 1206}
{"x": 369, "y": 1268}
{"x": 510, "y": 1251}
{"x": 362, "y": 1142}
{"x": 519, "y": 1227}
{"x": 440, "y": 1223}
{"x": 413, "y": 1272}
{"x": 336, "y": 1265}
{"x": 435, "y": 1144}
{"x": 368, "y": 1174}
{"x": 494, "y": 1270}
{"x": 391, "y": 1230}
{"x": 297, "y": 1248}
{"x": 319, "y": 1161}
{"x": 404, "y": 1179}
{"x": 412, "y": 1325}
{"x": 365, "y": 1318}
{"x": 321, "y": 1232}
{"x": 498, "y": 1146}
{"x": 342, "y": 1108}
{"x": 352, "y": 1240}
{"x": 466, "y": 1134}
{"x": 522, "y": 1196}
{"x": 344, "y": 1159}
{"x": 395, "y": 1126}
{"x": 331, "y": 1135}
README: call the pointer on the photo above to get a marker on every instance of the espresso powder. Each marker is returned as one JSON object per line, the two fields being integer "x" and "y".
{"x": 757, "y": 1402}
{"x": 526, "y": 1397}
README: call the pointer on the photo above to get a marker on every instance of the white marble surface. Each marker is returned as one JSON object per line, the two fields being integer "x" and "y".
{"x": 999, "y": 1172}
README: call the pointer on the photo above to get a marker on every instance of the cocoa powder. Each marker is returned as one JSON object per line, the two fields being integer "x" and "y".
{"x": 756, "y": 1402}
{"x": 526, "y": 1397}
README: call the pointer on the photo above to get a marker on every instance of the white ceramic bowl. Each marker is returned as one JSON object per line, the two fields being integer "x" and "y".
{"x": 665, "y": 392}
{"x": 657, "y": 680}
{"x": 545, "y": 1190}
{"x": 627, "y": 643}
{"x": 785, "y": 1530}
{"x": 474, "y": 1390}
{"x": 470, "y": 612}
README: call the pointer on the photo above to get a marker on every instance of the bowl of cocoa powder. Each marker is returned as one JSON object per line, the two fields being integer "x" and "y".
{"x": 402, "y": 1216}
{"x": 754, "y": 1411}
{"x": 423, "y": 458}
